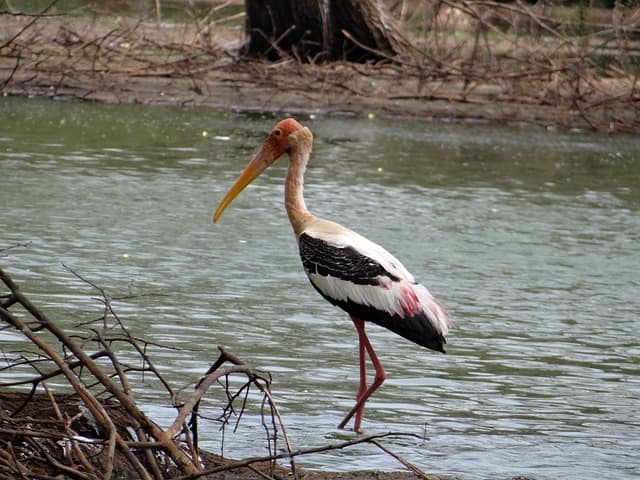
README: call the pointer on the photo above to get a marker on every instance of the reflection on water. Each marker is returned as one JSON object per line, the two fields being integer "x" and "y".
{"x": 531, "y": 239}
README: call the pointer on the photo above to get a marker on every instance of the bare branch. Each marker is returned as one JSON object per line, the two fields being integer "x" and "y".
{"x": 234, "y": 465}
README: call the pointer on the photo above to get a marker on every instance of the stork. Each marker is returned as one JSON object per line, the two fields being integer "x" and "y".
{"x": 349, "y": 271}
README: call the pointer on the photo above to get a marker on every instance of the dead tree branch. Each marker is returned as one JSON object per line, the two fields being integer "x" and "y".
{"x": 98, "y": 423}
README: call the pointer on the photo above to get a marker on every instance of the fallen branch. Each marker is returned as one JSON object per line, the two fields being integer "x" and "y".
{"x": 235, "y": 465}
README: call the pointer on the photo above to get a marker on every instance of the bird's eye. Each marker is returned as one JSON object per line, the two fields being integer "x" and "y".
{"x": 277, "y": 133}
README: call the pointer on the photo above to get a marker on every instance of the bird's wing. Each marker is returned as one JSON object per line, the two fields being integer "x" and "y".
{"x": 342, "y": 274}
{"x": 327, "y": 258}
{"x": 349, "y": 270}
{"x": 360, "y": 249}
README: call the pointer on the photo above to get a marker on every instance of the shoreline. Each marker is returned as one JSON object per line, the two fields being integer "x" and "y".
{"x": 253, "y": 98}
{"x": 167, "y": 64}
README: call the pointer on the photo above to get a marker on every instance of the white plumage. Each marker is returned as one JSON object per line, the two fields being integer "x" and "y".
{"x": 401, "y": 296}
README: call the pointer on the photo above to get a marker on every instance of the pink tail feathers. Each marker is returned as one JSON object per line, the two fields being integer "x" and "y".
{"x": 436, "y": 313}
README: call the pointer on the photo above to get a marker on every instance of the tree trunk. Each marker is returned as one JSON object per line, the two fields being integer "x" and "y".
{"x": 321, "y": 30}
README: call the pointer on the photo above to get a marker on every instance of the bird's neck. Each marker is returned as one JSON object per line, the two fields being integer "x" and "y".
{"x": 299, "y": 216}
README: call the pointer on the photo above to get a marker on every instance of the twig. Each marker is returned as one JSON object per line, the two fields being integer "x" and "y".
{"x": 420, "y": 473}
{"x": 276, "y": 412}
{"x": 92, "y": 403}
{"x": 35, "y": 18}
{"x": 234, "y": 465}
{"x": 201, "y": 389}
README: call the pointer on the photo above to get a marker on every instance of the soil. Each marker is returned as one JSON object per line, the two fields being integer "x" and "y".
{"x": 36, "y": 424}
{"x": 136, "y": 62}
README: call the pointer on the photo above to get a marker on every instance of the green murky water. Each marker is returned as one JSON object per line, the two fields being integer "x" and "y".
{"x": 530, "y": 238}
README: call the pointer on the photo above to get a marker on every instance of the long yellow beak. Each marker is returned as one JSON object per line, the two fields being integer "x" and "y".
{"x": 265, "y": 157}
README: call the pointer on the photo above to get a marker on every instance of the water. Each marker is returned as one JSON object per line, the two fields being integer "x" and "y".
{"x": 530, "y": 238}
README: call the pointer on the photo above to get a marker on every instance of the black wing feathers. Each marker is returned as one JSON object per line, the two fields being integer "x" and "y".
{"x": 344, "y": 263}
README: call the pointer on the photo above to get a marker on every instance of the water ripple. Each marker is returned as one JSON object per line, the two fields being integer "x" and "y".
{"x": 530, "y": 240}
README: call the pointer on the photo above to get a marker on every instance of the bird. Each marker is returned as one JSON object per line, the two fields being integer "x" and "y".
{"x": 348, "y": 270}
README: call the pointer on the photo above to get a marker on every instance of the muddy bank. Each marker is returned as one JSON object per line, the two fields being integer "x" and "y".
{"x": 112, "y": 60}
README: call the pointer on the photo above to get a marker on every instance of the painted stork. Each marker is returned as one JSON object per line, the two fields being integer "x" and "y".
{"x": 348, "y": 270}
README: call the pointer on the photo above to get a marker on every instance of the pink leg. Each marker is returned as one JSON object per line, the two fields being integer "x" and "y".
{"x": 363, "y": 372}
{"x": 364, "y": 393}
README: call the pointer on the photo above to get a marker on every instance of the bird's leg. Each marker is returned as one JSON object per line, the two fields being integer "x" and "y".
{"x": 363, "y": 365}
{"x": 364, "y": 393}
{"x": 363, "y": 372}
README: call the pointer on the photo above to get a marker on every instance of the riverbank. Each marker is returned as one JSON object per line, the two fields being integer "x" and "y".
{"x": 78, "y": 417}
{"x": 112, "y": 59}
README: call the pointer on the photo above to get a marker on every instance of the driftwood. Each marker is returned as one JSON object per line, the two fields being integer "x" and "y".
{"x": 94, "y": 429}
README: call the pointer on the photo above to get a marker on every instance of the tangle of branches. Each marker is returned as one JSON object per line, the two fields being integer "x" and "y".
{"x": 68, "y": 407}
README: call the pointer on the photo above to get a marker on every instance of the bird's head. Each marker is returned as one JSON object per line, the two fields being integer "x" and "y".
{"x": 276, "y": 144}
